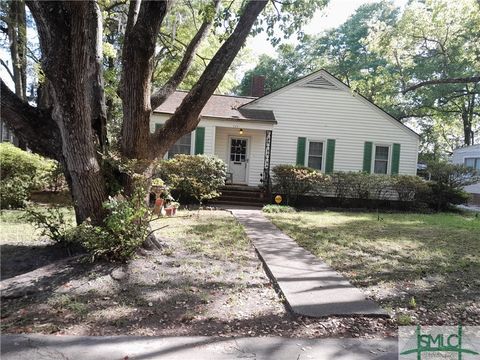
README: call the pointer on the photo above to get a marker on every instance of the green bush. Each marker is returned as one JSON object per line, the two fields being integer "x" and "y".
{"x": 53, "y": 222}
{"x": 447, "y": 182}
{"x": 124, "y": 230}
{"x": 409, "y": 188}
{"x": 360, "y": 185}
{"x": 194, "y": 176}
{"x": 275, "y": 209}
{"x": 21, "y": 172}
{"x": 294, "y": 180}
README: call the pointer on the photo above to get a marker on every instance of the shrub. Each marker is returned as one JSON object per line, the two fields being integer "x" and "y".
{"x": 360, "y": 185}
{"x": 409, "y": 188}
{"x": 21, "y": 172}
{"x": 294, "y": 180}
{"x": 197, "y": 176}
{"x": 447, "y": 182}
{"x": 274, "y": 209}
{"x": 53, "y": 222}
{"x": 125, "y": 228}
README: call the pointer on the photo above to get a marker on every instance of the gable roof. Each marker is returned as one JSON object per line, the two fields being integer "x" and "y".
{"x": 323, "y": 79}
{"x": 220, "y": 106}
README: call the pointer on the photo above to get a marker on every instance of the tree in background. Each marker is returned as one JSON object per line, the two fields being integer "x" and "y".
{"x": 422, "y": 66}
{"x": 71, "y": 126}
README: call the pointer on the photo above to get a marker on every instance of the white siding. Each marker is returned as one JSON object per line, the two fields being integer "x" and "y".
{"x": 217, "y": 133}
{"x": 320, "y": 114}
{"x": 458, "y": 157}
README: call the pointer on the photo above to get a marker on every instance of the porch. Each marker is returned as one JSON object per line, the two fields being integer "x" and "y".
{"x": 246, "y": 151}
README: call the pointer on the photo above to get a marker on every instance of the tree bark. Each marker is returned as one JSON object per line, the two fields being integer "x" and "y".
{"x": 17, "y": 35}
{"x": 32, "y": 125}
{"x": 186, "y": 118}
{"x": 162, "y": 94}
{"x": 143, "y": 25}
{"x": 70, "y": 40}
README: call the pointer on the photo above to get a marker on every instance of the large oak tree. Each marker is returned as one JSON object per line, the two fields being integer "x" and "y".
{"x": 70, "y": 125}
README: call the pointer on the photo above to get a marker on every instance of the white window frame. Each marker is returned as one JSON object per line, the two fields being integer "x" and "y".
{"x": 389, "y": 160}
{"x": 307, "y": 151}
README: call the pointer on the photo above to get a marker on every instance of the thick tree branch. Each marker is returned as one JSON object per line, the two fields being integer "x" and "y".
{"x": 8, "y": 69}
{"x": 186, "y": 117}
{"x": 159, "y": 96}
{"x": 138, "y": 55}
{"x": 443, "y": 81}
{"x": 33, "y": 125}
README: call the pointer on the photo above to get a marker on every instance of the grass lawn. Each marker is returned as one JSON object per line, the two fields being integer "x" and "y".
{"x": 422, "y": 267}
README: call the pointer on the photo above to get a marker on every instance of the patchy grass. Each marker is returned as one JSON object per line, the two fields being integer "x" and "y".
{"x": 434, "y": 259}
{"x": 22, "y": 248}
{"x": 214, "y": 234}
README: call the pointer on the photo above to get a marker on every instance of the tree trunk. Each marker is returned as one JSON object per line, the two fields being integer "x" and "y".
{"x": 74, "y": 71}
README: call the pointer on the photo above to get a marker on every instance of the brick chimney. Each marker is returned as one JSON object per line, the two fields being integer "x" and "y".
{"x": 258, "y": 86}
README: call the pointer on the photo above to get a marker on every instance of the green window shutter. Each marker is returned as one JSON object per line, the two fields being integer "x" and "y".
{"x": 158, "y": 126}
{"x": 301, "y": 150}
{"x": 330, "y": 156}
{"x": 367, "y": 157}
{"x": 199, "y": 140}
{"x": 395, "y": 159}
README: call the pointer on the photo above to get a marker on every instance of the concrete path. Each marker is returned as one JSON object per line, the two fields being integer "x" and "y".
{"x": 50, "y": 347}
{"x": 310, "y": 286}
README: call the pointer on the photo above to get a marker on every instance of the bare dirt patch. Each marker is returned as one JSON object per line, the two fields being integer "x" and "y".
{"x": 207, "y": 280}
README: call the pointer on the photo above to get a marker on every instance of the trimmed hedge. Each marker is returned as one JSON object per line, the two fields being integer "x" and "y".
{"x": 358, "y": 189}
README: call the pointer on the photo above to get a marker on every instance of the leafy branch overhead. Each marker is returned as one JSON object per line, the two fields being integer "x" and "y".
{"x": 90, "y": 87}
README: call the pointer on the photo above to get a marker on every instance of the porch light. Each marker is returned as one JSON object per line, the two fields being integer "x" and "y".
{"x": 240, "y": 131}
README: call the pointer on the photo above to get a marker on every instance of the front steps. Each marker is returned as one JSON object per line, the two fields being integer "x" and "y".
{"x": 241, "y": 195}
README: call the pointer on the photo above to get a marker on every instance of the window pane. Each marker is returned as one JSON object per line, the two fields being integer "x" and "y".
{"x": 182, "y": 146}
{"x": 381, "y": 153}
{"x": 477, "y": 163}
{"x": 315, "y": 148}
{"x": 315, "y": 162}
{"x": 470, "y": 162}
{"x": 380, "y": 167}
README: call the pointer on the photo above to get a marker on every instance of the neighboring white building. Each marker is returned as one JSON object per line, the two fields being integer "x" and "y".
{"x": 316, "y": 121}
{"x": 469, "y": 156}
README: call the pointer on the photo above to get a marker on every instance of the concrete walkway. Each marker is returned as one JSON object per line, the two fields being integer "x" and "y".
{"x": 50, "y": 347}
{"x": 310, "y": 286}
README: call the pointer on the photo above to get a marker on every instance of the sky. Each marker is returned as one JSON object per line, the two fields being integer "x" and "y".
{"x": 335, "y": 14}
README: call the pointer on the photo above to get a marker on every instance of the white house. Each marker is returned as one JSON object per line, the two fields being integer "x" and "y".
{"x": 469, "y": 156}
{"x": 316, "y": 121}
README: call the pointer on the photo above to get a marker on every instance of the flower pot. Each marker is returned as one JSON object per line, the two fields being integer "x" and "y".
{"x": 157, "y": 209}
{"x": 171, "y": 211}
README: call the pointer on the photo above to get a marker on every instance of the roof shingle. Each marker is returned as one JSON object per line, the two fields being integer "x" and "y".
{"x": 219, "y": 106}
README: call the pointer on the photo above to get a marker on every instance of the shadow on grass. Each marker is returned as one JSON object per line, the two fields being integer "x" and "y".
{"x": 371, "y": 251}
{"x": 20, "y": 259}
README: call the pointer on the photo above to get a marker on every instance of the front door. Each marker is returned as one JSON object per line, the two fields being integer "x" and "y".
{"x": 238, "y": 159}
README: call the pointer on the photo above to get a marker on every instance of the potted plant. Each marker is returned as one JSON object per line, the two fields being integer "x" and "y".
{"x": 158, "y": 186}
{"x": 171, "y": 210}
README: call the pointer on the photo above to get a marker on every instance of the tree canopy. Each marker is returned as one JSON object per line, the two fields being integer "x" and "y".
{"x": 106, "y": 64}
{"x": 421, "y": 64}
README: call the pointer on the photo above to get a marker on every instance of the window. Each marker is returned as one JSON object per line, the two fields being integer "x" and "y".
{"x": 315, "y": 154}
{"x": 380, "y": 165}
{"x": 473, "y": 163}
{"x": 182, "y": 146}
